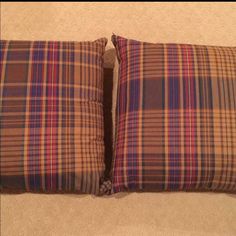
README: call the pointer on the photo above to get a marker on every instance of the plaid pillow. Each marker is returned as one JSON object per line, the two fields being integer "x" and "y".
{"x": 175, "y": 117}
{"x": 51, "y": 130}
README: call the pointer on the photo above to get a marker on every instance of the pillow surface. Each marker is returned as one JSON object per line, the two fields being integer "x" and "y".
{"x": 175, "y": 117}
{"x": 51, "y": 116}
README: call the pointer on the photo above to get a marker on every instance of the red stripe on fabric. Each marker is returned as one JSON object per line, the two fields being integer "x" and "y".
{"x": 188, "y": 78}
{"x": 55, "y": 118}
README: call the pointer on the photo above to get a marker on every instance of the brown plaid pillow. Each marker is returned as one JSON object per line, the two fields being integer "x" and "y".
{"x": 175, "y": 117}
{"x": 51, "y": 130}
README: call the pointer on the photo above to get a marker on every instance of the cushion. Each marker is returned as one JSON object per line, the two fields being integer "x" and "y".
{"x": 175, "y": 117}
{"x": 51, "y": 130}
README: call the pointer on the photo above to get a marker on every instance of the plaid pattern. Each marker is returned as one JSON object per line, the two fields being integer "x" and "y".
{"x": 175, "y": 117}
{"x": 51, "y": 130}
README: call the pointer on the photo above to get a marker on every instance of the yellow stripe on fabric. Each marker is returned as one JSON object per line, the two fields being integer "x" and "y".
{"x": 86, "y": 65}
{"x": 27, "y": 118}
{"x": 217, "y": 102}
{"x": 222, "y": 86}
{"x": 227, "y": 105}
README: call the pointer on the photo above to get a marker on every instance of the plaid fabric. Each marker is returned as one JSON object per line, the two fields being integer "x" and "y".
{"x": 175, "y": 117}
{"x": 51, "y": 136}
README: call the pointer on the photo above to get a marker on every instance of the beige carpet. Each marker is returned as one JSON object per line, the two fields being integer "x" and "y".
{"x": 122, "y": 214}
